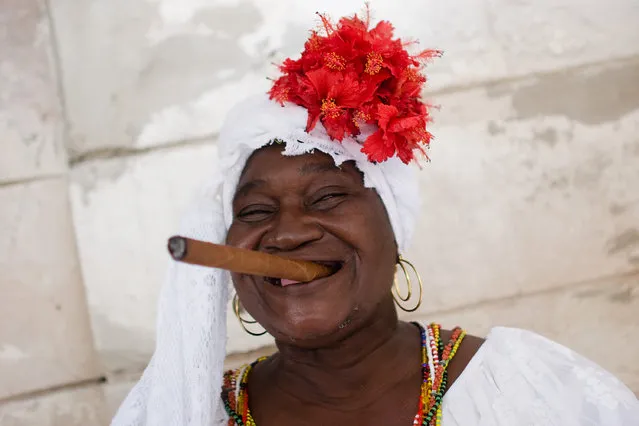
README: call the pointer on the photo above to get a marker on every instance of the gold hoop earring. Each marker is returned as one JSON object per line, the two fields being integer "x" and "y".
{"x": 236, "y": 309}
{"x": 397, "y": 296}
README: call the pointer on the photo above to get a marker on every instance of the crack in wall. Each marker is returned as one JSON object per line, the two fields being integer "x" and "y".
{"x": 123, "y": 152}
{"x": 81, "y": 384}
{"x": 30, "y": 179}
{"x": 496, "y": 83}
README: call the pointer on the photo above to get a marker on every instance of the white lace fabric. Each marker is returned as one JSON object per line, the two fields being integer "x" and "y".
{"x": 518, "y": 378}
{"x": 515, "y": 379}
{"x": 258, "y": 120}
{"x": 182, "y": 383}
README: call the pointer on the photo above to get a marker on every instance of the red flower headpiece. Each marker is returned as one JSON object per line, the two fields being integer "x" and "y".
{"x": 354, "y": 75}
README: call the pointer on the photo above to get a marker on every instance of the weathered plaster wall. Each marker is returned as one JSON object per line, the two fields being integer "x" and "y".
{"x": 109, "y": 113}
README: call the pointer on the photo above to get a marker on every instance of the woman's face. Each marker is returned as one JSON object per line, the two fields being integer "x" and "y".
{"x": 304, "y": 207}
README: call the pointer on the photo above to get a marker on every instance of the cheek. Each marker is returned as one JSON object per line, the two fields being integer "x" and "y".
{"x": 374, "y": 230}
{"x": 247, "y": 292}
{"x": 244, "y": 236}
{"x": 239, "y": 235}
{"x": 369, "y": 232}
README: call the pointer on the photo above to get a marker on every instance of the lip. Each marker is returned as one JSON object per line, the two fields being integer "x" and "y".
{"x": 335, "y": 265}
{"x": 310, "y": 288}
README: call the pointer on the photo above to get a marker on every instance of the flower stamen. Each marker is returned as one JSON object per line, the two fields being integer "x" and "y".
{"x": 374, "y": 62}
{"x": 360, "y": 118}
{"x": 334, "y": 61}
{"x": 330, "y": 109}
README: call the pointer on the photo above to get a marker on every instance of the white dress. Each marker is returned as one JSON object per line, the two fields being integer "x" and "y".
{"x": 520, "y": 378}
{"x": 516, "y": 378}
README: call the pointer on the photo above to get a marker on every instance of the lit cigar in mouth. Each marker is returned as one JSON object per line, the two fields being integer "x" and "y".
{"x": 244, "y": 261}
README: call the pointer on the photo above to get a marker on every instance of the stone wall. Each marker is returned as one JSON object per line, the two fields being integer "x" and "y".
{"x": 109, "y": 113}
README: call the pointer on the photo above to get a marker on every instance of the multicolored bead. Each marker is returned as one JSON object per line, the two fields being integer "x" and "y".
{"x": 435, "y": 357}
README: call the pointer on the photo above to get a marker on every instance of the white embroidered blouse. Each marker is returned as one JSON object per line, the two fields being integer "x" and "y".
{"x": 518, "y": 378}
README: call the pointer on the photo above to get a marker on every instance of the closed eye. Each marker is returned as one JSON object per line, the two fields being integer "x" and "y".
{"x": 329, "y": 196}
{"x": 253, "y": 214}
{"x": 328, "y": 201}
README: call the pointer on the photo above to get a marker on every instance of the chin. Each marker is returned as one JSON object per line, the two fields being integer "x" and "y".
{"x": 313, "y": 330}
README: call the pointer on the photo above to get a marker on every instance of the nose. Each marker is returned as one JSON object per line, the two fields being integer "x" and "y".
{"x": 291, "y": 230}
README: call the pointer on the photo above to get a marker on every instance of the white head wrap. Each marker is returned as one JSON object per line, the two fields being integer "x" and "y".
{"x": 182, "y": 383}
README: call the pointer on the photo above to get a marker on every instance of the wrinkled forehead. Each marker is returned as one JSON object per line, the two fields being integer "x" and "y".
{"x": 270, "y": 160}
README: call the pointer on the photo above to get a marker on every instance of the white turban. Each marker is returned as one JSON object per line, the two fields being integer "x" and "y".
{"x": 181, "y": 385}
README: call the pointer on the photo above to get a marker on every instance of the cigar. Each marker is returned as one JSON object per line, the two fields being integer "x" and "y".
{"x": 244, "y": 261}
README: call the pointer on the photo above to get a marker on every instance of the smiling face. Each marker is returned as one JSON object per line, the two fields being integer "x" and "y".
{"x": 304, "y": 207}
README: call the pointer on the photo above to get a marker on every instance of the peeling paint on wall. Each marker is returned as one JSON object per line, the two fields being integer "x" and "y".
{"x": 626, "y": 240}
{"x": 586, "y": 97}
{"x": 534, "y": 168}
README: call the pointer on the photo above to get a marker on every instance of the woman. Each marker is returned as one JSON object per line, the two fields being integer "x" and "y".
{"x": 318, "y": 171}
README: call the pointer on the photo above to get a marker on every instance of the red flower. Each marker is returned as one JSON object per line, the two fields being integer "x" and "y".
{"x": 351, "y": 75}
{"x": 334, "y": 100}
{"x": 396, "y": 134}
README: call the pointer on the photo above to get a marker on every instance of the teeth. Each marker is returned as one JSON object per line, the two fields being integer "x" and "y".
{"x": 334, "y": 266}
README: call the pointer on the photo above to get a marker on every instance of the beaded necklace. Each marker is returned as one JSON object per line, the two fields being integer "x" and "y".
{"x": 435, "y": 357}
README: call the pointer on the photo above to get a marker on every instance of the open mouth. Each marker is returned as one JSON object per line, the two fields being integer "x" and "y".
{"x": 283, "y": 282}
